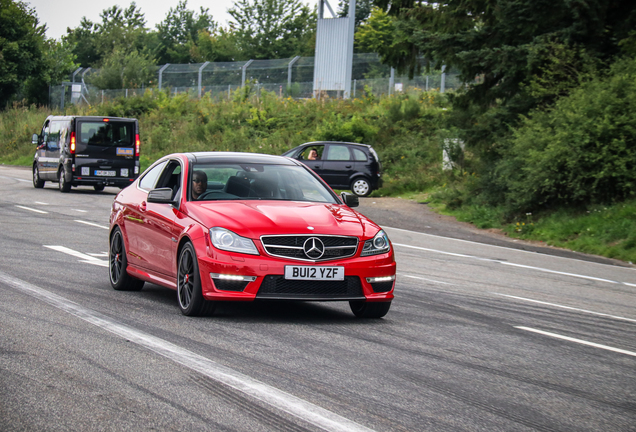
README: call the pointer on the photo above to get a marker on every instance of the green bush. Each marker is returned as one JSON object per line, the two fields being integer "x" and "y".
{"x": 580, "y": 152}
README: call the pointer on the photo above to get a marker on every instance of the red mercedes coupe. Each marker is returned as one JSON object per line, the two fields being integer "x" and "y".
{"x": 220, "y": 226}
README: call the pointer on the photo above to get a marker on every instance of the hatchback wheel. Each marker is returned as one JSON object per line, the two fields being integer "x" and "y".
{"x": 62, "y": 183}
{"x": 361, "y": 187}
{"x": 363, "y": 309}
{"x": 99, "y": 187}
{"x": 117, "y": 264}
{"x": 38, "y": 183}
{"x": 191, "y": 301}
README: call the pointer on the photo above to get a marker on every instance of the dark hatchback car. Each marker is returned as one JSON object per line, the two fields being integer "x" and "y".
{"x": 342, "y": 165}
{"x": 86, "y": 151}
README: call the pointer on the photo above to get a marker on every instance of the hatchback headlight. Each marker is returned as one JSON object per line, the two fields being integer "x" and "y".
{"x": 377, "y": 245}
{"x": 227, "y": 240}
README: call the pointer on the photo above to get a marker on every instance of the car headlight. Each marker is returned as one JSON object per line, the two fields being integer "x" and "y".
{"x": 377, "y": 245}
{"x": 227, "y": 240}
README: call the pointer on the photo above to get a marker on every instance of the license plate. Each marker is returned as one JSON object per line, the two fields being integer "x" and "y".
{"x": 314, "y": 273}
{"x": 106, "y": 173}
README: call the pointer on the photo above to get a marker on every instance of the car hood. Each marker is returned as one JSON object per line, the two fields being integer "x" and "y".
{"x": 255, "y": 218}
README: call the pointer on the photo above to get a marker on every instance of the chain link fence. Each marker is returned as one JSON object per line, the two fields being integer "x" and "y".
{"x": 285, "y": 77}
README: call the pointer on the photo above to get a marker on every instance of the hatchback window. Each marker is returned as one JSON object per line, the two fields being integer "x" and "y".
{"x": 338, "y": 152}
{"x": 106, "y": 133}
{"x": 359, "y": 155}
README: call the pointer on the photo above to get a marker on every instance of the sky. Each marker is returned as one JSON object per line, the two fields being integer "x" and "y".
{"x": 60, "y": 14}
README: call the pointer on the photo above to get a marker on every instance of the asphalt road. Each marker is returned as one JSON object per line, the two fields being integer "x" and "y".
{"x": 479, "y": 337}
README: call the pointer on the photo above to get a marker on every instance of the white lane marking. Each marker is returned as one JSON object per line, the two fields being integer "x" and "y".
{"x": 503, "y": 247}
{"x": 580, "y": 341}
{"x": 91, "y": 224}
{"x": 84, "y": 258}
{"x": 97, "y": 255}
{"x": 32, "y": 209}
{"x": 421, "y": 278}
{"x": 284, "y": 401}
{"x": 41, "y": 203}
{"x": 22, "y": 180}
{"x": 567, "y": 307}
{"x": 514, "y": 265}
{"x": 81, "y": 211}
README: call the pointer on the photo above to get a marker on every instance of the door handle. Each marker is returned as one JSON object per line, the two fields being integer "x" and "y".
{"x": 316, "y": 166}
{"x": 142, "y": 206}
{"x": 347, "y": 166}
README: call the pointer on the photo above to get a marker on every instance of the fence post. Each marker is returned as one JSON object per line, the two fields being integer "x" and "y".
{"x": 245, "y": 66}
{"x": 391, "y": 81}
{"x": 289, "y": 70}
{"x": 161, "y": 73}
{"x": 426, "y": 82}
{"x": 102, "y": 97}
{"x": 229, "y": 88}
{"x": 75, "y": 73}
{"x": 200, "y": 73}
{"x": 442, "y": 86}
{"x": 355, "y": 83}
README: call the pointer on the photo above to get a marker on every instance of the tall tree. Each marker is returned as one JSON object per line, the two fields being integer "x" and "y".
{"x": 363, "y": 10}
{"x": 178, "y": 34}
{"x": 22, "y": 46}
{"x": 506, "y": 44}
{"x": 271, "y": 29}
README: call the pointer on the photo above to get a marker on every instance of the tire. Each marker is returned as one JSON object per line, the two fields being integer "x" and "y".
{"x": 38, "y": 183}
{"x": 363, "y": 309}
{"x": 98, "y": 188}
{"x": 361, "y": 186}
{"x": 62, "y": 183}
{"x": 189, "y": 295}
{"x": 120, "y": 280}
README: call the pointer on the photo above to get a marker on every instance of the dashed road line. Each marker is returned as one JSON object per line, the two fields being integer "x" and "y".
{"x": 32, "y": 209}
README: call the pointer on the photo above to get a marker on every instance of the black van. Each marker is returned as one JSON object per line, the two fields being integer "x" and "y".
{"x": 88, "y": 151}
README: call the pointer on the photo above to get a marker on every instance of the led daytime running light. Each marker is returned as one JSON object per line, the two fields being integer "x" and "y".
{"x": 229, "y": 277}
{"x": 381, "y": 279}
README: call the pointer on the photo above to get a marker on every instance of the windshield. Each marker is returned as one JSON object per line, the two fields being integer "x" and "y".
{"x": 106, "y": 133}
{"x": 211, "y": 182}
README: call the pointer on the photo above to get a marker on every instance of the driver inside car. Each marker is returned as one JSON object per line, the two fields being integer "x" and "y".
{"x": 199, "y": 184}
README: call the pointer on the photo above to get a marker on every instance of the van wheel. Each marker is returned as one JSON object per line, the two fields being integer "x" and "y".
{"x": 62, "y": 183}
{"x": 99, "y": 188}
{"x": 38, "y": 183}
{"x": 361, "y": 187}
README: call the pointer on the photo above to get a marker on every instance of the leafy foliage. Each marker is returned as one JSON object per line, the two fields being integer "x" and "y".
{"x": 122, "y": 69}
{"x": 271, "y": 29}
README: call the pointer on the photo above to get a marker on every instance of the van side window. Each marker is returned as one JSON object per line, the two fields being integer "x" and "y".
{"x": 54, "y": 135}
{"x": 44, "y": 136}
{"x": 150, "y": 177}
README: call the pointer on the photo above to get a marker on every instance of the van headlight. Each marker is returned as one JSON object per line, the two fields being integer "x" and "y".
{"x": 377, "y": 245}
{"x": 227, "y": 240}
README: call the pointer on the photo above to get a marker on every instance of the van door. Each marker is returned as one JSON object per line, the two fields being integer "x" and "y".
{"x": 52, "y": 151}
{"x": 105, "y": 149}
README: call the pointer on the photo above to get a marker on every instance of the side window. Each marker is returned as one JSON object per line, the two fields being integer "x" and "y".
{"x": 150, "y": 177}
{"x": 45, "y": 132}
{"x": 171, "y": 177}
{"x": 54, "y": 135}
{"x": 338, "y": 153}
{"x": 359, "y": 155}
{"x": 312, "y": 153}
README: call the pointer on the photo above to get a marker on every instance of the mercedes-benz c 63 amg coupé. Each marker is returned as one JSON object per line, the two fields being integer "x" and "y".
{"x": 243, "y": 227}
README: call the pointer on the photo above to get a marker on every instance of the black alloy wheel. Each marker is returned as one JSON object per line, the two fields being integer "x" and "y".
{"x": 117, "y": 264}
{"x": 363, "y": 309}
{"x": 62, "y": 183}
{"x": 189, "y": 295}
{"x": 38, "y": 183}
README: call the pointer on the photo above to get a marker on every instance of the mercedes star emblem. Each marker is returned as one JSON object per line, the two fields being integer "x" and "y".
{"x": 314, "y": 248}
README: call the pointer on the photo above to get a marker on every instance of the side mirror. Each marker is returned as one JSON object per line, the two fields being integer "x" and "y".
{"x": 350, "y": 199}
{"x": 34, "y": 139}
{"x": 161, "y": 196}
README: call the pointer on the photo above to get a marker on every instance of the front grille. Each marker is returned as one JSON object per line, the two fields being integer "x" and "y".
{"x": 291, "y": 246}
{"x": 277, "y": 287}
{"x": 229, "y": 285}
{"x": 381, "y": 287}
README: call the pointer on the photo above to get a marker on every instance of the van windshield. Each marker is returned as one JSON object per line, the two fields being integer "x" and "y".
{"x": 106, "y": 133}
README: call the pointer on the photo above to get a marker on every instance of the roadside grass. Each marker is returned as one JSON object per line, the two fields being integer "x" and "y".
{"x": 605, "y": 230}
